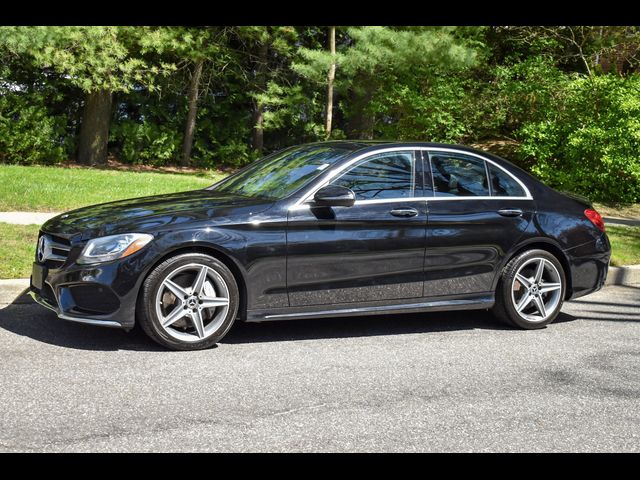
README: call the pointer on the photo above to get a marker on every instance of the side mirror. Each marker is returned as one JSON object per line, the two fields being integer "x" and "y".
{"x": 334, "y": 196}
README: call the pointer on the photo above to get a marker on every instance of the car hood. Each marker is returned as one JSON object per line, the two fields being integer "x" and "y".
{"x": 147, "y": 214}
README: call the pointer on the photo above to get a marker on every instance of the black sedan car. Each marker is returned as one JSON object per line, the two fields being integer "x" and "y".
{"x": 323, "y": 230}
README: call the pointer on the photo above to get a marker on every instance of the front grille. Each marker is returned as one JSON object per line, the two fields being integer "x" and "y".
{"x": 52, "y": 250}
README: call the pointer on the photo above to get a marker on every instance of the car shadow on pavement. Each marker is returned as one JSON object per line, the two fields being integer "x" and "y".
{"x": 24, "y": 317}
{"x": 368, "y": 326}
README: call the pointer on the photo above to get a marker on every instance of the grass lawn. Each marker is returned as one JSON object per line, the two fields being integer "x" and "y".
{"x": 18, "y": 243}
{"x": 57, "y": 189}
{"x": 625, "y": 245}
{"x": 17, "y": 249}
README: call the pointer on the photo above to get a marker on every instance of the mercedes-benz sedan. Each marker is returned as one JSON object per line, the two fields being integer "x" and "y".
{"x": 323, "y": 230}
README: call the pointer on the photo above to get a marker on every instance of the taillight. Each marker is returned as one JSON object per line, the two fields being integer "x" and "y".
{"x": 595, "y": 218}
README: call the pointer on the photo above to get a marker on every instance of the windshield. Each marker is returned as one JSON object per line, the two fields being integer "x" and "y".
{"x": 282, "y": 173}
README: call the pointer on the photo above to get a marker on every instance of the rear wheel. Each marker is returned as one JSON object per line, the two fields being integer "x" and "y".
{"x": 531, "y": 290}
{"x": 188, "y": 302}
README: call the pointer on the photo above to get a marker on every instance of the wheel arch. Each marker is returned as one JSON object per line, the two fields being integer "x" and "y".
{"x": 542, "y": 244}
{"x": 214, "y": 252}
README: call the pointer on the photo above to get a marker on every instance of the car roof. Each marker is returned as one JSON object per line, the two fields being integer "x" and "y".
{"x": 363, "y": 146}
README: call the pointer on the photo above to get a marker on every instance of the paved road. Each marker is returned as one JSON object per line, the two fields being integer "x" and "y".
{"x": 630, "y": 222}
{"x": 436, "y": 382}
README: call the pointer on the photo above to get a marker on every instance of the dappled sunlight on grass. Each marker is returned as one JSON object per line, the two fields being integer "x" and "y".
{"x": 17, "y": 249}
{"x": 625, "y": 245}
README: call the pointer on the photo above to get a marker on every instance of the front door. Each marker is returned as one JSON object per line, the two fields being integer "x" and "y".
{"x": 371, "y": 251}
{"x": 477, "y": 213}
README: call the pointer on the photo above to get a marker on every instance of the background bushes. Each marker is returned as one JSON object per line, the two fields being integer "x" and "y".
{"x": 590, "y": 141}
{"x": 30, "y": 133}
{"x": 566, "y": 99}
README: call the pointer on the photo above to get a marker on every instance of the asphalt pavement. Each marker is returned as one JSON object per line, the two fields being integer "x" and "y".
{"x": 427, "y": 382}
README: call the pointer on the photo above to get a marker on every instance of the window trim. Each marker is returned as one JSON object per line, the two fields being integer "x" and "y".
{"x": 303, "y": 202}
{"x": 489, "y": 183}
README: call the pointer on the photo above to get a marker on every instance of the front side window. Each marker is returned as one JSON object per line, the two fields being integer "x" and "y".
{"x": 386, "y": 175}
{"x": 457, "y": 175}
{"x": 278, "y": 175}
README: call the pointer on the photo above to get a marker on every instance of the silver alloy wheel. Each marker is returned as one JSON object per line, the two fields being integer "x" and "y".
{"x": 536, "y": 289}
{"x": 192, "y": 302}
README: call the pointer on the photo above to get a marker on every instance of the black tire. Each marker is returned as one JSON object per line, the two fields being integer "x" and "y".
{"x": 146, "y": 312}
{"x": 504, "y": 308}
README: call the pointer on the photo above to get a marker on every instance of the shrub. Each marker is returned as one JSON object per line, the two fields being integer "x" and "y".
{"x": 29, "y": 133}
{"x": 233, "y": 154}
{"x": 590, "y": 142}
{"x": 525, "y": 91}
{"x": 146, "y": 142}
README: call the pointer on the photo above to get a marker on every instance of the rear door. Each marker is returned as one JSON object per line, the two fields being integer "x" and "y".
{"x": 477, "y": 212}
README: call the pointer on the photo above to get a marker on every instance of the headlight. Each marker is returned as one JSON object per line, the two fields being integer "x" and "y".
{"x": 105, "y": 249}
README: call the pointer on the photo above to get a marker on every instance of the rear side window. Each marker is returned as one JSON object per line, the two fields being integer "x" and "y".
{"x": 457, "y": 175}
{"x": 504, "y": 185}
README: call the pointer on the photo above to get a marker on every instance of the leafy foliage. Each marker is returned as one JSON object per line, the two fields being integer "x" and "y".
{"x": 91, "y": 58}
{"x": 378, "y": 67}
{"x": 568, "y": 96}
{"x": 29, "y": 133}
{"x": 148, "y": 143}
{"x": 589, "y": 142}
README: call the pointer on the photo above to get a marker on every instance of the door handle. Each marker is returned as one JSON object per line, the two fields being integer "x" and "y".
{"x": 404, "y": 212}
{"x": 510, "y": 212}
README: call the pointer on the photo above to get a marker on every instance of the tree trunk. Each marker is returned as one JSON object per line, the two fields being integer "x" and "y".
{"x": 597, "y": 59}
{"x": 360, "y": 124}
{"x": 190, "y": 126}
{"x": 330, "y": 78}
{"x": 94, "y": 129}
{"x": 257, "y": 137}
{"x": 257, "y": 117}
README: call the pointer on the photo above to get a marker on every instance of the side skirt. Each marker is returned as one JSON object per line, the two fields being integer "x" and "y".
{"x": 475, "y": 302}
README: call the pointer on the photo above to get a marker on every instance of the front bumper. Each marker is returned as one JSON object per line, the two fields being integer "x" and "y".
{"x": 104, "y": 294}
{"x": 91, "y": 321}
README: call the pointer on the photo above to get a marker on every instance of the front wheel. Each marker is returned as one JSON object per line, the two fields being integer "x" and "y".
{"x": 188, "y": 302}
{"x": 531, "y": 290}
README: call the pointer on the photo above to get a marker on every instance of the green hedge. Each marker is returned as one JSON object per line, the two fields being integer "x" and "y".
{"x": 29, "y": 133}
{"x": 589, "y": 140}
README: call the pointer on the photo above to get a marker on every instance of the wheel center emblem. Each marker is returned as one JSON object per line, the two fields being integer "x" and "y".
{"x": 534, "y": 289}
{"x": 192, "y": 302}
